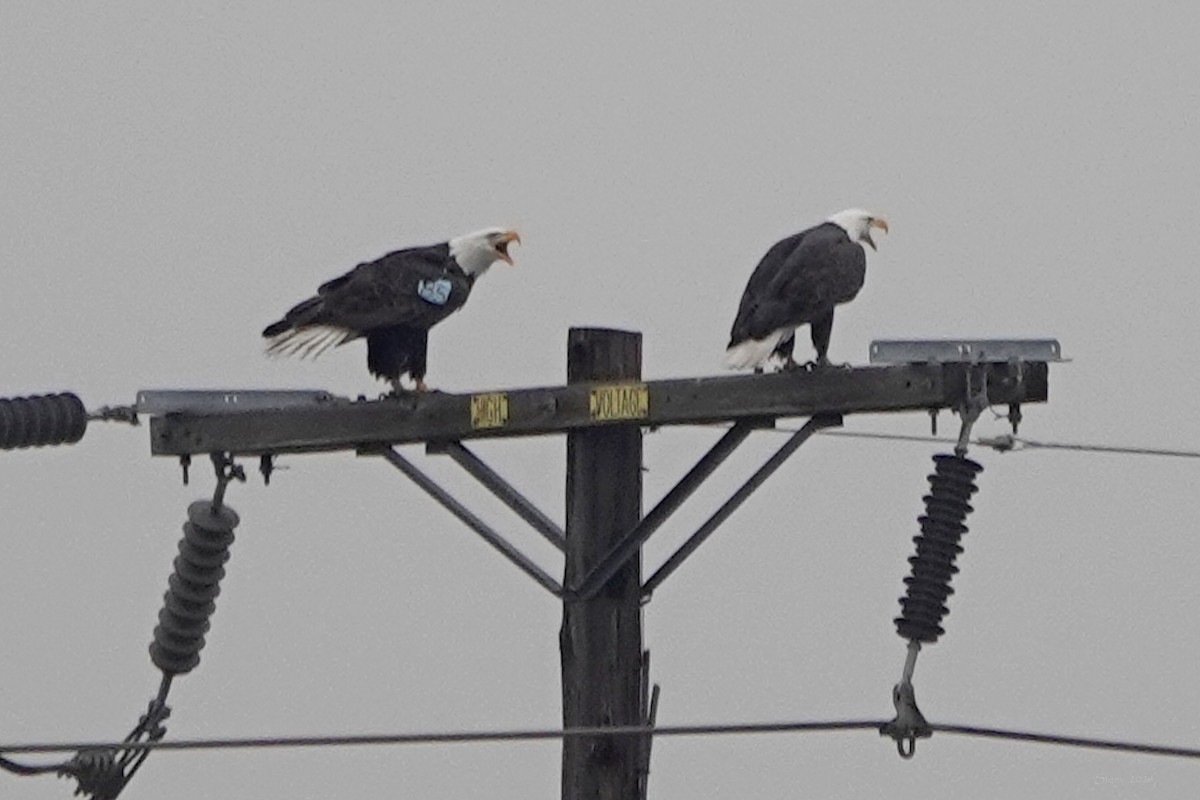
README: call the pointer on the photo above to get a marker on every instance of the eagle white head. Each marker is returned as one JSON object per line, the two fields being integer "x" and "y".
{"x": 476, "y": 252}
{"x": 858, "y": 223}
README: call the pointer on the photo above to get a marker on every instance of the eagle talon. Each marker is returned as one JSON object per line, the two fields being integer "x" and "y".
{"x": 399, "y": 391}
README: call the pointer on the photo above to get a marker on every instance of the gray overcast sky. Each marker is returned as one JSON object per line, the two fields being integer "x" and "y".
{"x": 172, "y": 179}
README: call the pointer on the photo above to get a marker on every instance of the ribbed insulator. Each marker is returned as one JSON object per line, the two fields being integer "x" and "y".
{"x": 41, "y": 420}
{"x": 98, "y": 772}
{"x": 193, "y": 588}
{"x": 946, "y": 507}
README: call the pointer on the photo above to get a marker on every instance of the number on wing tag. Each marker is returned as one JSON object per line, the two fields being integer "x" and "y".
{"x": 436, "y": 292}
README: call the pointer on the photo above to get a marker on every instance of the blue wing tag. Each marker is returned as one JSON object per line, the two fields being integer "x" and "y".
{"x": 436, "y": 292}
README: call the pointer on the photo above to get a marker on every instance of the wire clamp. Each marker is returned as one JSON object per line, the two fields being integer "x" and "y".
{"x": 909, "y": 724}
{"x": 227, "y": 471}
{"x": 97, "y": 772}
{"x": 1002, "y": 443}
{"x": 126, "y": 414}
{"x": 974, "y": 403}
{"x": 103, "y": 772}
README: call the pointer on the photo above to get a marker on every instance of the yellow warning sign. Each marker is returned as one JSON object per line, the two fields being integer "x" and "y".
{"x": 619, "y": 401}
{"x": 489, "y": 410}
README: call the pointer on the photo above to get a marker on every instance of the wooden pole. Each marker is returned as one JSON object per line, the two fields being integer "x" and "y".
{"x": 601, "y": 638}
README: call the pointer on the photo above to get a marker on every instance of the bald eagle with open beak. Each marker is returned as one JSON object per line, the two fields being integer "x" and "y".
{"x": 392, "y": 303}
{"x": 800, "y": 281}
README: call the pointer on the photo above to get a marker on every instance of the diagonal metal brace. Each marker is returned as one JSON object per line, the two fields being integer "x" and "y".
{"x": 473, "y": 522}
{"x": 503, "y": 490}
{"x": 740, "y": 496}
{"x": 623, "y": 550}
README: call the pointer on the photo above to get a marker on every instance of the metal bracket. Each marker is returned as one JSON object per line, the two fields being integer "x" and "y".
{"x": 157, "y": 402}
{"x": 612, "y": 562}
{"x": 974, "y": 402}
{"x": 909, "y": 724}
{"x": 964, "y": 351}
{"x": 227, "y": 471}
{"x": 649, "y": 709}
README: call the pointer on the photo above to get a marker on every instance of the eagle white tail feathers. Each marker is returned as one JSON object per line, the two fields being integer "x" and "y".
{"x": 752, "y": 353}
{"x": 308, "y": 341}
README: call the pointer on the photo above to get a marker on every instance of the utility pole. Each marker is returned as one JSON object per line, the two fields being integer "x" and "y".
{"x": 602, "y": 409}
{"x": 601, "y": 637}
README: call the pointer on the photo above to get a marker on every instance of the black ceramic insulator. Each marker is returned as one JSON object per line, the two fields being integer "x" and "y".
{"x": 193, "y": 587}
{"x": 98, "y": 772}
{"x": 942, "y": 526}
{"x": 41, "y": 420}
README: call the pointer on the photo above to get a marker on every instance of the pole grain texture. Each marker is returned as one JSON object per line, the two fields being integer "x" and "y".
{"x": 601, "y": 638}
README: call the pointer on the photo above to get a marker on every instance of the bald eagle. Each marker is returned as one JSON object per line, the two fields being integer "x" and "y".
{"x": 392, "y": 303}
{"x": 800, "y": 281}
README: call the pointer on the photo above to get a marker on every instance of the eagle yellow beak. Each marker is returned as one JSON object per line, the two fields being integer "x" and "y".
{"x": 876, "y": 222}
{"x": 502, "y": 244}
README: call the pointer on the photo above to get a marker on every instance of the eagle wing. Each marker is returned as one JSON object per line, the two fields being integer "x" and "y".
{"x": 823, "y": 270}
{"x": 416, "y": 288}
{"x": 760, "y": 285}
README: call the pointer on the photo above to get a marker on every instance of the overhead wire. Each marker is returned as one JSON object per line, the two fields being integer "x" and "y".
{"x": 459, "y": 737}
{"x": 1069, "y": 741}
{"x": 476, "y": 737}
{"x": 1007, "y": 443}
{"x": 1004, "y": 443}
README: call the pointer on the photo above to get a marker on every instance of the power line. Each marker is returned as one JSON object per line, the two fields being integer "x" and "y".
{"x": 465, "y": 737}
{"x": 1006, "y": 443}
{"x": 1096, "y": 448}
{"x": 1070, "y": 741}
{"x": 454, "y": 737}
